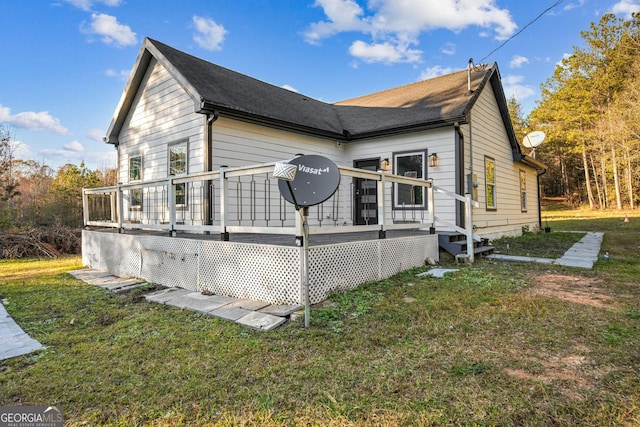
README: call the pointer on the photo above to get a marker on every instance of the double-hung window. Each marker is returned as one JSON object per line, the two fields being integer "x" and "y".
{"x": 178, "y": 166}
{"x": 135, "y": 175}
{"x": 490, "y": 182}
{"x": 413, "y": 165}
{"x": 523, "y": 191}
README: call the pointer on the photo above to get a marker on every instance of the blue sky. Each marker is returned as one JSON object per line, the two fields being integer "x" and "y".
{"x": 65, "y": 62}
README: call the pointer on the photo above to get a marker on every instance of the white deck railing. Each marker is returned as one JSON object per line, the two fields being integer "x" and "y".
{"x": 247, "y": 200}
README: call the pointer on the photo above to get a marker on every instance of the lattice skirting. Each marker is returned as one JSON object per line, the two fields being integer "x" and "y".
{"x": 260, "y": 272}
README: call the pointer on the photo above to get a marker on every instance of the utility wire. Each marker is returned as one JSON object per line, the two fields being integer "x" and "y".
{"x": 544, "y": 12}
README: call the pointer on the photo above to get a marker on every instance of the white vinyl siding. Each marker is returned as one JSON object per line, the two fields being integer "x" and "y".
{"x": 490, "y": 140}
{"x": 441, "y": 141}
{"x": 162, "y": 112}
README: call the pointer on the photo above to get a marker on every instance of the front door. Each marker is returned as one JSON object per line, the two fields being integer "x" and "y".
{"x": 365, "y": 194}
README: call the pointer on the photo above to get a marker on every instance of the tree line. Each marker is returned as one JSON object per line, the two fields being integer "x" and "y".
{"x": 33, "y": 194}
{"x": 590, "y": 112}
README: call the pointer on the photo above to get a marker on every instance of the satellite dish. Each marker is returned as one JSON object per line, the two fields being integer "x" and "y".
{"x": 314, "y": 180}
{"x": 533, "y": 139}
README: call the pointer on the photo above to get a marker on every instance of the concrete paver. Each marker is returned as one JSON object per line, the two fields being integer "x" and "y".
{"x": 261, "y": 321}
{"x": 437, "y": 272}
{"x": 583, "y": 254}
{"x": 254, "y": 314}
{"x": 13, "y": 340}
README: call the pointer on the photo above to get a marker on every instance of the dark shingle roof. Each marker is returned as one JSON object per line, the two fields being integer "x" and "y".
{"x": 424, "y": 104}
{"x": 428, "y": 102}
{"x": 228, "y": 91}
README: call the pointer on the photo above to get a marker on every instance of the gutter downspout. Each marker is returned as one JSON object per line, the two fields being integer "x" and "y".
{"x": 208, "y": 165}
{"x": 538, "y": 175}
{"x": 459, "y": 176}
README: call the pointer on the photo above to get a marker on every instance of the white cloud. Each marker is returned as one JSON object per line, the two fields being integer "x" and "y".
{"x": 22, "y": 151}
{"x": 110, "y": 30}
{"x": 435, "y": 71}
{"x": 31, "y": 120}
{"x": 96, "y": 134}
{"x": 392, "y": 23}
{"x": 74, "y": 146}
{"x": 209, "y": 35}
{"x": 565, "y": 56}
{"x": 291, "y": 88}
{"x": 88, "y": 4}
{"x": 120, "y": 75}
{"x": 448, "y": 49}
{"x": 517, "y": 61}
{"x": 575, "y": 5}
{"x": 386, "y": 52}
{"x": 344, "y": 15}
{"x": 75, "y": 152}
{"x": 626, "y": 7}
{"x": 513, "y": 87}
{"x": 72, "y": 150}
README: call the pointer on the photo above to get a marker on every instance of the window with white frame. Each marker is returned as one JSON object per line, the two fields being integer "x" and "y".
{"x": 490, "y": 182}
{"x": 411, "y": 164}
{"x": 135, "y": 175}
{"x": 523, "y": 191}
{"x": 178, "y": 166}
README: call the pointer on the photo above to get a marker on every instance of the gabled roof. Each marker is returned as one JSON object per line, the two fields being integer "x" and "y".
{"x": 426, "y": 104}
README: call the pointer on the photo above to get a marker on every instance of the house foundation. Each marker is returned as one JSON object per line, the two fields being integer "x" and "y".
{"x": 257, "y": 271}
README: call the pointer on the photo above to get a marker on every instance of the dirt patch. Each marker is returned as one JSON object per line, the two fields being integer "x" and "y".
{"x": 566, "y": 368}
{"x": 576, "y": 289}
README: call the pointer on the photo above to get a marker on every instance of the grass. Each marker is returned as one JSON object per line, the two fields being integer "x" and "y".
{"x": 543, "y": 245}
{"x": 492, "y": 344}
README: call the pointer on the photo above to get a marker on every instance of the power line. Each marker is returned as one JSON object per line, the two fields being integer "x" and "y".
{"x": 544, "y": 12}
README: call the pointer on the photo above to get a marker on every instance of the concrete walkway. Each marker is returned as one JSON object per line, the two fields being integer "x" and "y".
{"x": 582, "y": 254}
{"x": 13, "y": 340}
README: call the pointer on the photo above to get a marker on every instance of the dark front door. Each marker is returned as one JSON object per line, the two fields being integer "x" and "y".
{"x": 365, "y": 194}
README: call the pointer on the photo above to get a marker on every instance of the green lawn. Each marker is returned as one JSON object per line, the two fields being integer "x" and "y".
{"x": 492, "y": 344}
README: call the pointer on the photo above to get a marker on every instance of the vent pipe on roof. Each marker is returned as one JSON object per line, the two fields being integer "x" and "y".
{"x": 469, "y": 67}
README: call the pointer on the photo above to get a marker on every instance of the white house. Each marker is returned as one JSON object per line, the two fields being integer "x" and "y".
{"x": 196, "y": 144}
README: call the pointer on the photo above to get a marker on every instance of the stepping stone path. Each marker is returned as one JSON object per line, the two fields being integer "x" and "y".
{"x": 254, "y": 314}
{"x": 582, "y": 254}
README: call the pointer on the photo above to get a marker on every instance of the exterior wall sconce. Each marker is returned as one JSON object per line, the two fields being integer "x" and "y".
{"x": 434, "y": 160}
{"x": 385, "y": 165}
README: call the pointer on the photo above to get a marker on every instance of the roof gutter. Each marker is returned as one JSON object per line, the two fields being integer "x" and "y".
{"x": 530, "y": 161}
{"x": 345, "y": 135}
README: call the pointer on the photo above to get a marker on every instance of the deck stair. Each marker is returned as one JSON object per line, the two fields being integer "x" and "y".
{"x": 456, "y": 244}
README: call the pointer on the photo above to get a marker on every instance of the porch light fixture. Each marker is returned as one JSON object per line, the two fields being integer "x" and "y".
{"x": 434, "y": 160}
{"x": 385, "y": 166}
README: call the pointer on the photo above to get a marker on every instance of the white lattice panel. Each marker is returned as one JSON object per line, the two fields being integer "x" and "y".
{"x": 121, "y": 254}
{"x": 404, "y": 253}
{"x": 340, "y": 267}
{"x": 261, "y": 272}
{"x": 170, "y": 261}
{"x": 335, "y": 268}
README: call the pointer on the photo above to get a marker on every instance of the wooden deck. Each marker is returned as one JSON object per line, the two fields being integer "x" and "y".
{"x": 278, "y": 239}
